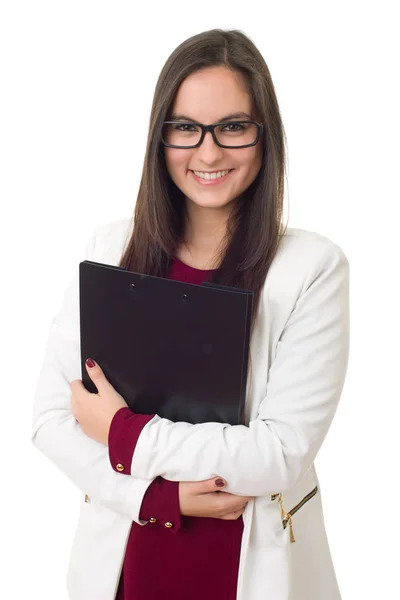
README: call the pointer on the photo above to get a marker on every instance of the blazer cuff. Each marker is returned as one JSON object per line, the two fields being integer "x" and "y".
{"x": 160, "y": 505}
{"x": 125, "y": 429}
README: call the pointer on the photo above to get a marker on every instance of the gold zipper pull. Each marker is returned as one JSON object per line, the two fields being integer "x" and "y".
{"x": 286, "y": 517}
{"x": 283, "y": 512}
{"x": 292, "y": 540}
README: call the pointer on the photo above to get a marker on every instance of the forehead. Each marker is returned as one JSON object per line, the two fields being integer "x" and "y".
{"x": 211, "y": 93}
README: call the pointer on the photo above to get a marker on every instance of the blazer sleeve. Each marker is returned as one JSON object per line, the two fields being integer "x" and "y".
{"x": 305, "y": 382}
{"x": 55, "y": 431}
{"x": 161, "y": 500}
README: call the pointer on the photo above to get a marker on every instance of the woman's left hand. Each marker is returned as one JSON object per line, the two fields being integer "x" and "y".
{"x": 94, "y": 412}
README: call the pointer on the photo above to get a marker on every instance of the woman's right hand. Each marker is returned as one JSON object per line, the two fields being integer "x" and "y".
{"x": 205, "y": 499}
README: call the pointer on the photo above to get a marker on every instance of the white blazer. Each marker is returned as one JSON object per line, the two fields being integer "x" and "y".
{"x": 299, "y": 356}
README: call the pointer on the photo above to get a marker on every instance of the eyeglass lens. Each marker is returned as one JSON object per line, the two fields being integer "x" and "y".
{"x": 231, "y": 134}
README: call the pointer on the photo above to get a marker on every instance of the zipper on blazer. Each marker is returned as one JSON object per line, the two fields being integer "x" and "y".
{"x": 287, "y": 516}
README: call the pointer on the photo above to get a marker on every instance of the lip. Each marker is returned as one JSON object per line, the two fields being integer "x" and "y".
{"x": 211, "y": 181}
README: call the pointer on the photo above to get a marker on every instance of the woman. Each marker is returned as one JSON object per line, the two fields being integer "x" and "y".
{"x": 209, "y": 207}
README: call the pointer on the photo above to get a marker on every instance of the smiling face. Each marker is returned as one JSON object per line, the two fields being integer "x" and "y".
{"x": 208, "y": 96}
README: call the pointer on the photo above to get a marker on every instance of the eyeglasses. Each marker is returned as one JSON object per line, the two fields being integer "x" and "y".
{"x": 231, "y": 134}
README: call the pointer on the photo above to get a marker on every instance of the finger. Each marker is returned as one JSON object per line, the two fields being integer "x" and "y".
{"x": 76, "y": 394}
{"x": 231, "y": 503}
{"x": 212, "y": 485}
{"x": 233, "y": 515}
{"x": 74, "y": 402}
{"x": 206, "y": 486}
{"x": 77, "y": 386}
{"x": 96, "y": 374}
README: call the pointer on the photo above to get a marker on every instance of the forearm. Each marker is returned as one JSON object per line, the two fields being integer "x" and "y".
{"x": 251, "y": 460}
{"x": 161, "y": 500}
{"x": 305, "y": 382}
{"x": 57, "y": 434}
{"x": 86, "y": 463}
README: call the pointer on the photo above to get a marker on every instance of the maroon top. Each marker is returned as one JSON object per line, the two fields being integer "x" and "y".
{"x": 172, "y": 556}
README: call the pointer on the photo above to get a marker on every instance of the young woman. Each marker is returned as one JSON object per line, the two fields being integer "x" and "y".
{"x": 153, "y": 520}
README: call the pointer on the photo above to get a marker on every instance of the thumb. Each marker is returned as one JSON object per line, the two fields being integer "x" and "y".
{"x": 207, "y": 486}
{"x": 214, "y": 484}
{"x": 96, "y": 375}
{"x": 219, "y": 483}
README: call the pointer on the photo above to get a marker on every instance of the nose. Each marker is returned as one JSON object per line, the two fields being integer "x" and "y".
{"x": 209, "y": 150}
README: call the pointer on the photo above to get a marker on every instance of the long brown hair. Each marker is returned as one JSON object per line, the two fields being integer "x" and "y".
{"x": 255, "y": 228}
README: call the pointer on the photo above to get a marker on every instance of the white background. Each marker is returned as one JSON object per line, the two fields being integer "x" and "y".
{"x": 77, "y": 80}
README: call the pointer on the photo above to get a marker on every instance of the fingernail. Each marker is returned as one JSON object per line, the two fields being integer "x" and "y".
{"x": 220, "y": 482}
{"x": 90, "y": 363}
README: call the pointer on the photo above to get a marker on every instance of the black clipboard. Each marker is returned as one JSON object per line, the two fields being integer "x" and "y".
{"x": 174, "y": 349}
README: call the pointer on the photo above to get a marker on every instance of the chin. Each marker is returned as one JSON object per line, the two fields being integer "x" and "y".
{"x": 210, "y": 202}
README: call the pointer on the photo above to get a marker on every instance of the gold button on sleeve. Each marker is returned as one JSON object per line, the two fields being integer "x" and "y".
{"x": 120, "y": 467}
{"x": 168, "y": 525}
{"x": 153, "y": 520}
{"x": 87, "y": 498}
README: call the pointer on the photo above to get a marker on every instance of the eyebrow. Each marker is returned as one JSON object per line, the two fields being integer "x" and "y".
{"x": 237, "y": 115}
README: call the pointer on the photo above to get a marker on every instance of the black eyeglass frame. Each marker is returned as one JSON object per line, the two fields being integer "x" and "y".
{"x": 206, "y": 128}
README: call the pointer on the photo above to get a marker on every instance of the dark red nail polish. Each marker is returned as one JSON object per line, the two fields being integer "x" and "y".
{"x": 90, "y": 363}
{"x": 219, "y": 482}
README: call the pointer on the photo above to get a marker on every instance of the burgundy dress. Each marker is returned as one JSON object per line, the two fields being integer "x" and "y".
{"x": 172, "y": 556}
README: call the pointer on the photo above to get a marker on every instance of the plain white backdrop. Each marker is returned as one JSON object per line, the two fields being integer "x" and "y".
{"x": 77, "y": 80}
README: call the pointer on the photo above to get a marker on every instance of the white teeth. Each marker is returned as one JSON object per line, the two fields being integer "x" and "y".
{"x": 211, "y": 175}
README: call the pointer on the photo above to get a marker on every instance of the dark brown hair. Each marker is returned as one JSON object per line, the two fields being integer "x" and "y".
{"x": 255, "y": 228}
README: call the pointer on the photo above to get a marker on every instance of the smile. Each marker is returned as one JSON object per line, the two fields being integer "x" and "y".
{"x": 211, "y": 178}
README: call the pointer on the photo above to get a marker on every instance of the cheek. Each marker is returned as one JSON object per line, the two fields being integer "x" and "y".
{"x": 252, "y": 162}
{"x": 257, "y": 164}
{"x": 176, "y": 161}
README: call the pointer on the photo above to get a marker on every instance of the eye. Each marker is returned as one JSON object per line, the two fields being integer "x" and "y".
{"x": 185, "y": 127}
{"x": 234, "y": 127}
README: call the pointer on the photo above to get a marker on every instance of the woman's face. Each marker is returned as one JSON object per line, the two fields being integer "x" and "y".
{"x": 207, "y": 97}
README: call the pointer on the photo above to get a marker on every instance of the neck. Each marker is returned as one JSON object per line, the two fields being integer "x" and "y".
{"x": 204, "y": 233}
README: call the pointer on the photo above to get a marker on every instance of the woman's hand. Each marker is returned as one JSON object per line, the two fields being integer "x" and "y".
{"x": 94, "y": 412}
{"x": 204, "y": 499}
